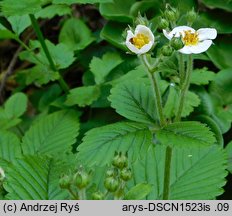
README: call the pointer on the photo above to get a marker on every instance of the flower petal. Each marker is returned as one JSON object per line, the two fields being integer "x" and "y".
{"x": 185, "y": 50}
{"x": 200, "y": 47}
{"x": 176, "y": 32}
{"x": 129, "y": 35}
{"x": 132, "y": 47}
{"x": 146, "y": 48}
{"x": 142, "y": 29}
{"x": 207, "y": 33}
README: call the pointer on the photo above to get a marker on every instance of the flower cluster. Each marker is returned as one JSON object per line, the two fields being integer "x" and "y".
{"x": 142, "y": 40}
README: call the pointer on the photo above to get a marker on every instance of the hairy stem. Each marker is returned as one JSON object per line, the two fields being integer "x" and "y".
{"x": 181, "y": 69}
{"x": 39, "y": 34}
{"x": 184, "y": 88}
{"x": 168, "y": 160}
{"x": 156, "y": 90}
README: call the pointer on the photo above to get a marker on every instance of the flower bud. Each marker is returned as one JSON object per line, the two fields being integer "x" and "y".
{"x": 81, "y": 179}
{"x": 120, "y": 161}
{"x": 176, "y": 43}
{"x": 65, "y": 182}
{"x": 140, "y": 20}
{"x": 126, "y": 174}
{"x": 98, "y": 196}
{"x": 171, "y": 14}
{"x": 163, "y": 23}
{"x": 110, "y": 172}
{"x": 111, "y": 184}
{"x": 166, "y": 50}
{"x": 191, "y": 16}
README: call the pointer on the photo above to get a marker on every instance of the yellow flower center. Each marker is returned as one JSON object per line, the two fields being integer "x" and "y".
{"x": 190, "y": 38}
{"x": 139, "y": 40}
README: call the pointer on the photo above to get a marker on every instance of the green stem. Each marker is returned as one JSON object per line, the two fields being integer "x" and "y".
{"x": 184, "y": 88}
{"x": 82, "y": 194}
{"x": 168, "y": 160}
{"x": 74, "y": 196}
{"x": 156, "y": 90}
{"x": 39, "y": 34}
{"x": 181, "y": 69}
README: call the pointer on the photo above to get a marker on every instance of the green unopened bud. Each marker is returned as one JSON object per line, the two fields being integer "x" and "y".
{"x": 81, "y": 179}
{"x": 140, "y": 20}
{"x": 111, "y": 184}
{"x": 98, "y": 196}
{"x": 166, "y": 50}
{"x": 120, "y": 161}
{"x": 171, "y": 14}
{"x": 176, "y": 43}
{"x": 163, "y": 23}
{"x": 110, "y": 172}
{"x": 65, "y": 182}
{"x": 191, "y": 16}
{"x": 126, "y": 174}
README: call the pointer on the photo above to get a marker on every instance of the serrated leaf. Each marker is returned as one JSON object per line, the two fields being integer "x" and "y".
{"x": 83, "y": 96}
{"x": 138, "y": 192}
{"x": 105, "y": 141}
{"x": 16, "y": 105}
{"x": 69, "y": 2}
{"x": 229, "y": 153}
{"x": 9, "y": 146}
{"x": 202, "y": 76}
{"x": 52, "y": 134}
{"x": 196, "y": 173}
{"x": 186, "y": 134}
{"x": 53, "y": 10}
{"x": 75, "y": 34}
{"x": 34, "y": 178}
{"x": 19, "y": 8}
{"x": 135, "y": 101}
{"x": 102, "y": 67}
{"x": 19, "y": 23}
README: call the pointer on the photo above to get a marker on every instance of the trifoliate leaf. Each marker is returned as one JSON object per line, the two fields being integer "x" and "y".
{"x": 102, "y": 67}
{"x": 100, "y": 144}
{"x": 83, "y": 96}
{"x": 186, "y": 134}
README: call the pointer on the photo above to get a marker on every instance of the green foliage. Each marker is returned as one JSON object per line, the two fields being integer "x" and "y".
{"x": 75, "y": 34}
{"x": 102, "y": 67}
{"x": 196, "y": 173}
{"x": 9, "y": 146}
{"x": 185, "y": 134}
{"x": 121, "y": 137}
{"x": 14, "y": 107}
{"x": 134, "y": 101}
{"x": 83, "y": 96}
{"x": 34, "y": 178}
{"x": 202, "y": 76}
{"x": 138, "y": 192}
{"x": 52, "y": 134}
{"x": 19, "y": 23}
{"x": 19, "y": 8}
{"x": 69, "y": 2}
{"x": 229, "y": 153}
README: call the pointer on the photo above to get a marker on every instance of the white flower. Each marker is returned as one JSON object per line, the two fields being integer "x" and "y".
{"x": 141, "y": 41}
{"x": 194, "y": 41}
{"x": 2, "y": 174}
